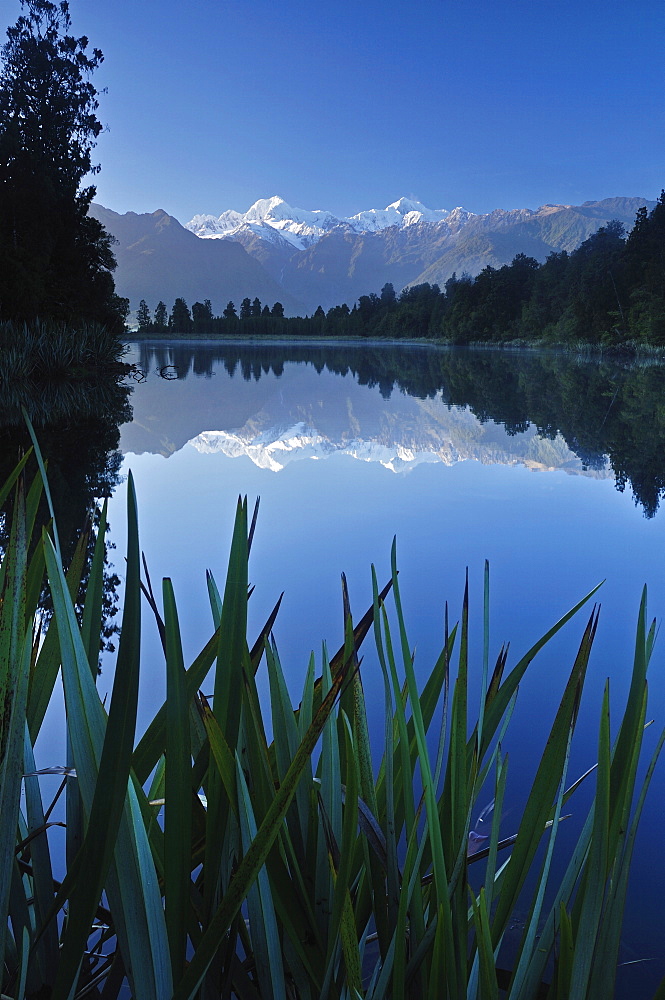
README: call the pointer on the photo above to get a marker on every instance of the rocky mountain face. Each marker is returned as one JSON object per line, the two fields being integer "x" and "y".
{"x": 309, "y": 258}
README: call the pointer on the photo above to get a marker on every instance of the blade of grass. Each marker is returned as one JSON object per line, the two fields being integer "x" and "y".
{"x": 153, "y": 742}
{"x": 530, "y": 937}
{"x": 500, "y": 698}
{"x": 42, "y": 872}
{"x": 342, "y": 866}
{"x": 594, "y": 885}
{"x": 45, "y": 670}
{"x": 392, "y": 868}
{"x": 266, "y": 950}
{"x": 362, "y": 750}
{"x": 453, "y": 958}
{"x": 228, "y": 684}
{"x": 286, "y": 742}
{"x": 331, "y": 803}
{"x": 131, "y": 883}
{"x": 15, "y": 652}
{"x": 177, "y": 811}
{"x": 254, "y": 858}
{"x": 605, "y": 959}
{"x": 91, "y": 628}
{"x": 488, "y": 985}
{"x": 221, "y": 754}
{"x": 8, "y": 484}
{"x": 539, "y": 803}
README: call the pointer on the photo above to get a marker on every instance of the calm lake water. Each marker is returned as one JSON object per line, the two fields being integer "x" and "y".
{"x": 549, "y": 467}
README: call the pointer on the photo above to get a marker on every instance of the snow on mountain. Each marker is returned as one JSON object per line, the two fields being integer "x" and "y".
{"x": 302, "y": 228}
{"x": 269, "y": 233}
{"x": 212, "y": 225}
{"x": 458, "y": 218}
{"x": 279, "y": 214}
{"x": 403, "y": 212}
{"x": 267, "y": 215}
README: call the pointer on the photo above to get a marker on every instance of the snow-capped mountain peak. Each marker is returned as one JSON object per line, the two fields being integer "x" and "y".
{"x": 302, "y": 228}
{"x": 276, "y": 210}
{"x": 266, "y": 216}
{"x": 403, "y": 212}
{"x": 265, "y": 208}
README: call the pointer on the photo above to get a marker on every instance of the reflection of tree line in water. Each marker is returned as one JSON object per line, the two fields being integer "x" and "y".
{"x": 602, "y": 410}
{"x": 78, "y": 427}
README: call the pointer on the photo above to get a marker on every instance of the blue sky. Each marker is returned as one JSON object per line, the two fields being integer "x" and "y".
{"x": 213, "y": 104}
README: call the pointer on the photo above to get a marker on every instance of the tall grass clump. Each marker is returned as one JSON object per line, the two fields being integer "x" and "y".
{"x": 45, "y": 350}
{"x": 206, "y": 859}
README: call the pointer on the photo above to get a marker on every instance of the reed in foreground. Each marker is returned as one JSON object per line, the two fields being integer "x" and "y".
{"x": 209, "y": 860}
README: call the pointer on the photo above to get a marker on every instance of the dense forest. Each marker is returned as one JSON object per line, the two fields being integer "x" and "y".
{"x": 609, "y": 292}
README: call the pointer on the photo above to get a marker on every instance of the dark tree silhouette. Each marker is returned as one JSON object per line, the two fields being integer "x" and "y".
{"x": 55, "y": 260}
{"x": 161, "y": 318}
{"x": 143, "y": 316}
{"x": 388, "y": 296}
{"x": 202, "y": 317}
{"x": 180, "y": 320}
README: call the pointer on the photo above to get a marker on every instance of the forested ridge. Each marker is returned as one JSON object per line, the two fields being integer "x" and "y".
{"x": 609, "y": 292}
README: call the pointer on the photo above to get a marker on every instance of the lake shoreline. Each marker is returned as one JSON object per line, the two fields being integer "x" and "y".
{"x": 644, "y": 352}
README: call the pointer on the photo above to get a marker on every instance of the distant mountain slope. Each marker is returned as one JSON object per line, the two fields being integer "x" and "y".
{"x": 159, "y": 259}
{"x": 305, "y": 259}
{"x": 494, "y": 239}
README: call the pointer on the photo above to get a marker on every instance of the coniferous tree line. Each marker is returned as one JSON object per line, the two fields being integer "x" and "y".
{"x": 253, "y": 317}
{"x": 608, "y": 292}
{"x": 56, "y": 261}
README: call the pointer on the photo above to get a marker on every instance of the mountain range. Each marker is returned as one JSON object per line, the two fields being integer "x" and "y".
{"x": 304, "y": 259}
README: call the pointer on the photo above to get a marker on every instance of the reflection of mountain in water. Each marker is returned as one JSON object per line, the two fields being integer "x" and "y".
{"x": 591, "y": 417}
{"x": 427, "y": 405}
{"x": 399, "y": 434}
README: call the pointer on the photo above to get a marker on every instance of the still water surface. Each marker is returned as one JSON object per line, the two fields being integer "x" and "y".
{"x": 551, "y": 468}
{"x": 463, "y": 456}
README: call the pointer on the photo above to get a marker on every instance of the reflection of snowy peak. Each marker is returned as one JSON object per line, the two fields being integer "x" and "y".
{"x": 462, "y": 439}
{"x": 267, "y": 451}
{"x": 305, "y": 413}
{"x": 277, "y": 450}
